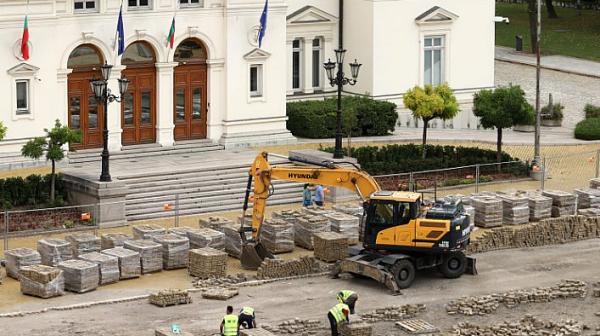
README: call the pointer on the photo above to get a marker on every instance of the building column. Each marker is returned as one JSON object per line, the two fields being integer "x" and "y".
{"x": 217, "y": 101}
{"x": 164, "y": 103}
{"x": 288, "y": 75}
{"x": 307, "y": 86}
{"x": 114, "y": 111}
{"x": 327, "y": 54}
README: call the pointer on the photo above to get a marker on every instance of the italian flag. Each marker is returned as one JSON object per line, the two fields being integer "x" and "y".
{"x": 24, "y": 40}
{"x": 171, "y": 37}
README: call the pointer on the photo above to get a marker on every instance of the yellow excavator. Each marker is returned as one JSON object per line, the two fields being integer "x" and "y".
{"x": 401, "y": 234}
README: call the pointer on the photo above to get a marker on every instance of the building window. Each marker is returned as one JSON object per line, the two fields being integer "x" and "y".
{"x": 138, "y": 4}
{"x": 190, "y": 3}
{"x": 296, "y": 65}
{"x": 433, "y": 60}
{"x": 256, "y": 80}
{"x": 22, "y": 97}
{"x": 85, "y": 5}
{"x": 316, "y": 63}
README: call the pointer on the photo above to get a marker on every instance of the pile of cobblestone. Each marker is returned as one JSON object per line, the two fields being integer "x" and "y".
{"x": 330, "y": 246}
{"x": 228, "y": 281}
{"x": 487, "y": 304}
{"x": 393, "y": 313}
{"x": 170, "y": 297}
{"x": 359, "y": 328}
{"x": 215, "y": 222}
{"x": 297, "y": 327}
{"x": 207, "y": 262}
{"x": 278, "y": 268}
{"x": 42, "y": 281}
{"x": 529, "y": 325}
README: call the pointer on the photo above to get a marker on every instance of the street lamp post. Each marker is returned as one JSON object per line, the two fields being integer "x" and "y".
{"x": 340, "y": 81}
{"x": 104, "y": 97}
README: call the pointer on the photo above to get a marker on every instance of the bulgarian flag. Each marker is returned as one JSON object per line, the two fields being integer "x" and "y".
{"x": 25, "y": 40}
{"x": 171, "y": 37}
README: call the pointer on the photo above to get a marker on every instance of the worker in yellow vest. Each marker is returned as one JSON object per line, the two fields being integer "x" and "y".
{"x": 229, "y": 325}
{"x": 348, "y": 297}
{"x": 336, "y": 315}
{"x": 248, "y": 317}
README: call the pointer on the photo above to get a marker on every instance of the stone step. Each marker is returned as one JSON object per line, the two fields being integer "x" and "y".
{"x": 185, "y": 188}
{"x": 197, "y": 176}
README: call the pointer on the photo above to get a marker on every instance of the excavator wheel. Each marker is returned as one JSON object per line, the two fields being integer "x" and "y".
{"x": 404, "y": 273}
{"x": 453, "y": 265}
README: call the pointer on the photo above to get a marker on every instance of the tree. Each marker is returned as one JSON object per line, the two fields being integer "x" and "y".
{"x": 2, "y": 131}
{"x": 349, "y": 122}
{"x": 501, "y": 108}
{"x": 532, "y": 11}
{"x": 551, "y": 11}
{"x": 429, "y": 103}
{"x": 52, "y": 145}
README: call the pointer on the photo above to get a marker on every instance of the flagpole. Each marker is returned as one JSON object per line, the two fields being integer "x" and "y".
{"x": 116, "y": 32}
{"x": 174, "y": 17}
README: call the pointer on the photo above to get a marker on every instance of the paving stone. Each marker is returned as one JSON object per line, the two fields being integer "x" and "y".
{"x": 330, "y": 246}
{"x": 529, "y": 325}
{"x": 315, "y": 210}
{"x": 277, "y": 235}
{"x": 151, "y": 254}
{"x": 207, "y": 262}
{"x": 175, "y": 250}
{"x": 233, "y": 240}
{"x": 255, "y": 332}
{"x": 345, "y": 224}
{"x": 278, "y": 268}
{"x": 42, "y": 281}
{"x": 108, "y": 266}
{"x": 515, "y": 209}
{"x": 305, "y": 227}
{"x": 147, "y": 231}
{"x": 215, "y": 222}
{"x": 588, "y": 198}
{"x": 129, "y": 262}
{"x": 563, "y": 203}
{"x": 206, "y": 237}
{"x": 393, "y": 313}
{"x": 83, "y": 243}
{"x": 170, "y": 297}
{"x": 488, "y": 211}
{"x": 80, "y": 276}
{"x": 110, "y": 240}
{"x": 595, "y": 183}
{"x": 53, "y": 251}
{"x": 19, "y": 258}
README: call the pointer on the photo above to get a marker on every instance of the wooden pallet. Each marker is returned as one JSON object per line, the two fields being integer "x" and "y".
{"x": 417, "y": 326}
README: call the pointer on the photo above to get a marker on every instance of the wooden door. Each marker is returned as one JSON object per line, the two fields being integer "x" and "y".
{"x": 138, "y": 108}
{"x": 190, "y": 102}
{"x": 85, "y": 113}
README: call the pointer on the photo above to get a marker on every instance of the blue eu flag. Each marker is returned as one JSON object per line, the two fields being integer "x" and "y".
{"x": 263, "y": 23}
{"x": 120, "y": 32}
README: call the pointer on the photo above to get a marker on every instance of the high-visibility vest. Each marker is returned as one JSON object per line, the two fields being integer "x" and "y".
{"x": 230, "y": 327}
{"x": 337, "y": 313}
{"x": 343, "y": 295}
{"x": 248, "y": 311}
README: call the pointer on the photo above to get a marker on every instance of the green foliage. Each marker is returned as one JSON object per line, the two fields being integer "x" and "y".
{"x": 68, "y": 224}
{"x": 591, "y": 111}
{"x": 486, "y": 178}
{"x": 3, "y": 130}
{"x": 32, "y": 191}
{"x": 557, "y": 112}
{"x": 316, "y": 119}
{"x": 503, "y": 107}
{"x": 588, "y": 129}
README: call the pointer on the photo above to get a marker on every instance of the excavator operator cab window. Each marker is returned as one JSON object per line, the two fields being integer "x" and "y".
{"x": 380, "y": 216}
{"x": 404, "y": 213}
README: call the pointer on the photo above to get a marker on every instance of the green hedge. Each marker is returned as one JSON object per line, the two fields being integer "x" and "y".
{"x": 32, "y": 191}
{"x": 396, "y": 159}
{"x": 588, "y": 129}
{"x": 591, "y": 111}
{"x": 316, "y": 119}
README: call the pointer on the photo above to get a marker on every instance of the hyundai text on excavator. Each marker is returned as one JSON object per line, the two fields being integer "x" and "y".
{"x": 401, "y": 233}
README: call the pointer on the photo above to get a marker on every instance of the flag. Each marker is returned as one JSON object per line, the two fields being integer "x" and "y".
{"x": 171, "y": 37}
{"x": 121, "y": 32}
{"x": 25, "y": 40}
{"x": 263, "y": 23}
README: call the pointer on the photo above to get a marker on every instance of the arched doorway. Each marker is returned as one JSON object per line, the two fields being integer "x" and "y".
{"x": 138, "y": 108}
{"x": 190, "y": 83}
{"x": 84, "y": 113}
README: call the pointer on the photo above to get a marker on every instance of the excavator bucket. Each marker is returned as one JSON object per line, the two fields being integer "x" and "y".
{"x": 471, "y": 268}
{"x": 253, "y": 255}
{"x": 354, "y": 265}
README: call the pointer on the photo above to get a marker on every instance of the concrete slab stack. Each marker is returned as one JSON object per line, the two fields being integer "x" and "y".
{"x": 110, "y": 240}
{"x": 591, "y": 212}
{"x": 108, "y": 266}
{"x": 170, "y": 297}
{"x": 147, "y": 231}
{"x": 345, "y": 224}
{"x": 53, "y": 251}
{"x": 540, "y": 207}
{"x": 515, "y": 209}
{"x": 175, "y": 251}
{"x": 277, "y": 235}
{"x": 83, "y": 243}
{"x": 19, "y": 258}
{"x": 287, "y": 215}
{"x": 588, "y": 198}
{"x": 315, "y": 210}
{"x": 563, "y": 203}
{"x": 305, "y": 227}
{"x": 180, "y": 231}
{"x": 129, "y": 262}
{"x": 151, "y": 254}
{"x": 215, "y": 222}
{"x": 206, "y": 238}
{"x": 233, "y": 240}
{"x": 348, "y": 209}
{"x": 330, "y": 246}
{"x": 80, "y": 276}
{"x": 42, "y": 281}
{"x": 207, "y": 262}
{"x": 595, "y": 183}
{"x": 488, "y": 211}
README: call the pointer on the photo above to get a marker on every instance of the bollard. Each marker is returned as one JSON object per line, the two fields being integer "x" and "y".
{"x": 519, "y": 42}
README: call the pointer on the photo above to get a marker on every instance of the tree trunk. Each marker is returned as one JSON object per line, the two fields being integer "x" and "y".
{"x": 578, "y": 7}
{"x": 53, "y": 179}
{"x": 499, "y": 146}
{"x": 551, "y": 11}
{"x": 349, "y": 146}
{"x": 425, "y": 123}
{"x": 532, "y": 11}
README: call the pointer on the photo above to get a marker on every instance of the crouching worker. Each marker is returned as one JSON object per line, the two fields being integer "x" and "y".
{"x": 336, "y": 315}
{"x": 348, "y": 297}
{"x": 248, "y": 317}
{"x": 229, "y": 325}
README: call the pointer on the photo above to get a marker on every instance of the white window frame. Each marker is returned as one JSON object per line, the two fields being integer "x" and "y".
{"x": 86, "y": 10}
{"x": 318, "y": 64}
{"x": 27, "y": 109}
{"x": 188, "y": 4}
{"x": 259, "y": 81}
{"x": 26, "y": 73}
{"x": 300, "y": 52}
{"x": 138, "y": 7}
{"x": 432, "y": 49}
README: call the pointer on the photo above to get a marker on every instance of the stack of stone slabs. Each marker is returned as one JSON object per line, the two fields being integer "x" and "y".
{"x": 588, "y": 198}
{"x": 42, "y": 281}
{"x": 563, "y": 203}
{"x": 206, "y": 238}
{"x": 83, "y": 243}
{"x": 315, "y": 210}
{"x": 345, "y": 224}
{"x": 175, "y": 251}
{"x": 147, "y": 231}
{"x": 488, "y": 211}
{"x": 110, "y": 240}
{"x": 151, "y": 254}
{"x": 305, "y": 228}
{"x": 515, "y": 209}
{"x": 54, "y": 251}
{"x": 108, "y": 266}
{"x": 277, "y": 235}
{"x": 215, "y": 222}
{"x": 595, "y": 183}
{"x": 80, "y": 276}
{"x": 19, "y": 258}
{"x": 287, "y": 215}
{"x": 233, "y": 240}
{"x": 129, "y": 262}
{"x": 330, "y": 246}
{"x": 207, "y": 262}
{"x": 540, "y": 207}
{"x": 180, "y": 231}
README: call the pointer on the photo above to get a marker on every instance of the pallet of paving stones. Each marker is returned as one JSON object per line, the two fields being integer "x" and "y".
{"x": 170, "y": 297}
{"x": 563, "y": 203}
{"x": 80, "y": 276}
{"x": 110, "y": 240}
{"x": 175, "y": 251}
{"x": 540, "y": 207}
{"x": 394, "y": 313}
{"x": 355, "y": 329}
{"x": 278, "y": 268}
{"x": 42, "y": 281}
{"x": 82, "y": 242}
{"x": 19, "y": 258}
{"x": 515, "y": 209}
{"x": 345, "y": 224}
{"x": 330, "y": 246}
{"x": 315, "y": 210}
{"x": 277, "y": 235}
{"x": 588, "y": 198}
{"x": 220, "y": 293}
{"x": 108, "y": 266}
{"x": 595, "y": 183}
{"x": 233, "y": 240}
{"x": 215, "y": 222}
{"x": 207, "y": 262}
{"x": 305, "y": 228}
{"x": 180, "y": 230}
{"x": 147, "y": 231}
{"x": 151, "y": 254}
{"x": 348, "y": 209}
{"x": 488, "y": 211}
{"x": 591, "y": 212}
{"x": 287, "y": 215}
{"x": 206, "y": 237}
{"x": 53, "y": 251}
{"x": 129, "y": 262}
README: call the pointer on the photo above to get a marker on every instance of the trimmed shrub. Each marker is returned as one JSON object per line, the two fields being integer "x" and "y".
{"x": 588, "y": 129}
{"x": 591, "y": 111}
{"x": 32, "y": 191}
{"x": 557, "y": 112}
{"x": 316, "y": 119}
